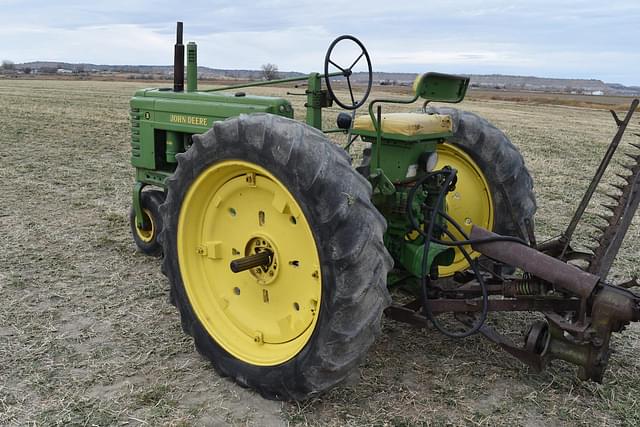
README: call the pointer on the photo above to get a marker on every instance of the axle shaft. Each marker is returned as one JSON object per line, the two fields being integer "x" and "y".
{"x": 261, "y": 259}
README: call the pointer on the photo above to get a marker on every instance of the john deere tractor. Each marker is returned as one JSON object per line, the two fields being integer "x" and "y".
{"x": 281, "y": 252}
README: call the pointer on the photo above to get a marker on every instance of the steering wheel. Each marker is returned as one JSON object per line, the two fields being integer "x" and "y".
{"x": 347, "y": 72}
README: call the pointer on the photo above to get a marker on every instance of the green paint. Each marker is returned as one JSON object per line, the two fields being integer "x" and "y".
{"x": 400, "y": 159}
{"x": 141, "y": 220}
{"x": 412, "y": 255}
{"x": 192, "y": 67}
{"x": 163, "y": 121}
{"x": 155, "y": 112}
{"x": 406, "y": 245}
{"x": 441, "y": 87}
{"x": 174, "y": 145}
{"x": 314, "y": 101}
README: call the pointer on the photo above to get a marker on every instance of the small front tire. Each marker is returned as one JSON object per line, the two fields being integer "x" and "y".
{"x": 146, "y": 240}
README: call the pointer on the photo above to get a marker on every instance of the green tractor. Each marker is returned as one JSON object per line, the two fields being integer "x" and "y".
{"x": 281, "y": 253}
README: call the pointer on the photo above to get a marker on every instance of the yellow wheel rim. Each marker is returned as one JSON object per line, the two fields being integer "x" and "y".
{"x": 263, "y": 316}
{"x": 146, "y": 235}
{"x": 470, "y": 203}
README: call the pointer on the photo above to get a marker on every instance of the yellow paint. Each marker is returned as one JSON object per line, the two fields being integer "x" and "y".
{"x": 261, "y": 316}
{"x": 408, "y": 124}
{"x": 146, "y": 235}
{"x": 214, "y": 250}
{"x": 470, "y": 203}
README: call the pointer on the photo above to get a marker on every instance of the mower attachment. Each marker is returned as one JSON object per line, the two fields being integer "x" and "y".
{"x": 581, "y": 337}
{"x": 581, "y": 308}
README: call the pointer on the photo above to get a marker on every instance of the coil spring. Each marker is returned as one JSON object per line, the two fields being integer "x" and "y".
{"x": 527, "y": 286}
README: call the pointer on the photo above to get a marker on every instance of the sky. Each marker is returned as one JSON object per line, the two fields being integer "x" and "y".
{"x": 565, "y": 39}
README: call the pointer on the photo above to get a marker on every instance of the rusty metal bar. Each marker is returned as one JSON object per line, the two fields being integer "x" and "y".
{"x": 409, "y": 314}
{"x": 440, "y": 306}
{"x": 622, "y": 126}
{"x": 529, "y": 358}
{"x": 564, "y": 276}
{"x": 470, "y": 290}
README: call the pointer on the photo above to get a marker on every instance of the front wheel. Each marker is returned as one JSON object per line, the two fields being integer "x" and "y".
{"x": 302, "y": 319}
{"x": 146, "y": 239}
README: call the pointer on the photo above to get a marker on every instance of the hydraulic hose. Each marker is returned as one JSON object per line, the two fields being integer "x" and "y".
{"x": 428, "y": 238}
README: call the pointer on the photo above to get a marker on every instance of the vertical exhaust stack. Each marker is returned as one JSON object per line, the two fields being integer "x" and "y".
{"x": 178, "y": 61}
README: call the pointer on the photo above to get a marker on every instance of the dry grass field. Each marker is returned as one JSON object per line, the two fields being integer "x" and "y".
{"x": 88, "y": 337}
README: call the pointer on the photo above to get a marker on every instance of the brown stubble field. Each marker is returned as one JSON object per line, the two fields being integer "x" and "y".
{"x": 88, "y": 337}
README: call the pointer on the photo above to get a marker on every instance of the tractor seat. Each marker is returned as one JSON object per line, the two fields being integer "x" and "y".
{"x": 407, "y": 124}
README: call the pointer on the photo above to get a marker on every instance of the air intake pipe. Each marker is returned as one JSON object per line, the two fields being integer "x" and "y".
{"x": 192, "y": 67}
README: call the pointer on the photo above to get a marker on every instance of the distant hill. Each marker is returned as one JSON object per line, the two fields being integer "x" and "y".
{"x": 527, "y": 83}
{"x": 162, "y": 70}
{"x": 494, "y": 81}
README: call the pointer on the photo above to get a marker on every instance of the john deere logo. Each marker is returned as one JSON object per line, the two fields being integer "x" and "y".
{"x": 188, "y": 120}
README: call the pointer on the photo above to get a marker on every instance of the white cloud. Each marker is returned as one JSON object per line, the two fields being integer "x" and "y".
{"x": 572, "y": 38}
{"x": 118, "y": 44}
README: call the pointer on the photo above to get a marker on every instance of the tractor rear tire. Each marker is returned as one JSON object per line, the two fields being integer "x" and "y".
{"x": 503, "y": 167}
{"x": 147, "y": 240}
{"x": 222, "y": 180}
{"x": 500, "y": 165}
{"x": 486, "y": 153}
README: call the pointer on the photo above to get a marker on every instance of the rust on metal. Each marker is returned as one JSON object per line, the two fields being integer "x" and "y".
{"x": 618, "y": 224}
{"x": 409, "y": 313}
{"x": 564, "y": 276}
{"x": 622, "y": 127}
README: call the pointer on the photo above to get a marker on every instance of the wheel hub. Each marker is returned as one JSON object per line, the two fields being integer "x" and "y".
{"x": 146, "y": 235}
{"x": 266, "y": 273}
